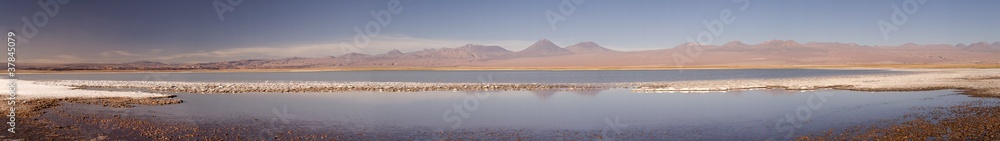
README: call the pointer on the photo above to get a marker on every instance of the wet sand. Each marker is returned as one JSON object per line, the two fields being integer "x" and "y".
{"x": 969, "y": 121}
{"x": 32, "y": 101}
{"x": 31, "y": 124}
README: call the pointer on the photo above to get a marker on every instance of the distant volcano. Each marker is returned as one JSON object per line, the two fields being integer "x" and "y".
{"x": 735, "y": 44}
{"x": 587, "y": 47}
{"x": 543, "y": 47}
{"x": 779, "y": 43}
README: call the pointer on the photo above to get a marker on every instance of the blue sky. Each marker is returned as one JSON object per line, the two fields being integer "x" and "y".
{"x": 191, "y": 30}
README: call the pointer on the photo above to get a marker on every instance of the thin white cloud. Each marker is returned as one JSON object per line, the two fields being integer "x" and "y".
{"x": 316, "y": 50}
{"x": 119, "y": 53}
{"x": 59, "y": 59}
{"x": 407, "y": 44}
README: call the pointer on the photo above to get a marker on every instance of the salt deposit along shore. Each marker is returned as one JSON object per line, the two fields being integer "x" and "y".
{"x": 977, "y": 82}
{"x": 32, "y": 90}
{"x": 312, "y": 86}
{"x": 32, "y": 99}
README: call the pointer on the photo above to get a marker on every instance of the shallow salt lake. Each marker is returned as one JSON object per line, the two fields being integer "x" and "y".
{"x": 613, "y": 113}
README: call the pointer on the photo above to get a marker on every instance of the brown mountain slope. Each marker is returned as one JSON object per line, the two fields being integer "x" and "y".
{"x": 588, "y": 54}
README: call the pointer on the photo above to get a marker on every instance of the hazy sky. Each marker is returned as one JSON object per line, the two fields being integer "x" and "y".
{"x": 192, "y": 31}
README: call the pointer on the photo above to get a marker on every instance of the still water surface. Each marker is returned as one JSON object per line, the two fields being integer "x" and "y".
{"x": 541, "y": 115}
{"x": 550, "y": 114}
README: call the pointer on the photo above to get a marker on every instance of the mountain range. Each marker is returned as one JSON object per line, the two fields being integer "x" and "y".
{"x": 544, "y": 53}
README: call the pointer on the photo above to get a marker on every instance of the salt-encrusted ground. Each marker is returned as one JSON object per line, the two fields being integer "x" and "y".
{"x": 979, "y": 82}
{"x": 31, "y": 90}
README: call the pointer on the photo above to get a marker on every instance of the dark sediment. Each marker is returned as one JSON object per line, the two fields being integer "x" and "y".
{"x": 30, "y": 124}
{"x": 970, "y": 121}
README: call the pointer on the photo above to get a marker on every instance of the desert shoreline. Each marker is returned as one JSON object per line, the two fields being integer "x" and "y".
{"x": 968, "y": 81}
{"x": 521, "y": 68}
{"x": 977, "y": 82}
